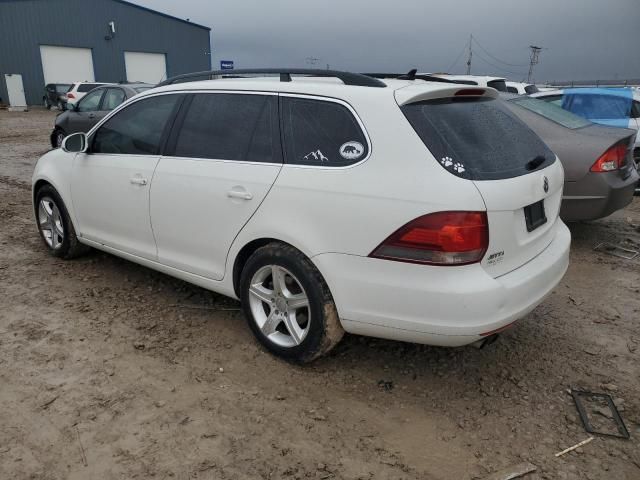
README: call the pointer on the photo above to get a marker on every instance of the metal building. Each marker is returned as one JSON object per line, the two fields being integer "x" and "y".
{"x": 65, "y": 41}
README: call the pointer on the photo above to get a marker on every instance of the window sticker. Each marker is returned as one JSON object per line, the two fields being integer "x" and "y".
{"x": 351, "y": 150}
{"x": 316, "y": 155}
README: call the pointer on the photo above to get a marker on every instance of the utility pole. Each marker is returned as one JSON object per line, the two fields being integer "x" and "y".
{"x": 533, "y": 60}
{"x": 469, "y": 56}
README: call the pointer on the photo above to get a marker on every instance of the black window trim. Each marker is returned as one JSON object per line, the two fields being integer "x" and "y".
{"x": 332, "y": 100}
{"x": 172, "y": 140}
{"x": 125, "y": 104}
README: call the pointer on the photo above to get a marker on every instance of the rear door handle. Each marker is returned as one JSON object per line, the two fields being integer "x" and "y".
{"x": 138, "y": 181}
{"x": 237, "y": 193}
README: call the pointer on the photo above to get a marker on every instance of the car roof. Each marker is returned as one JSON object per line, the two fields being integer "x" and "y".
{"x": 611, "y": 91}
{"x": 308, "y": 85}
{"x": 485, "y": 78}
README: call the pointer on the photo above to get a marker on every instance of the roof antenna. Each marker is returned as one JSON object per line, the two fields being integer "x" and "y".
{"x": 411, "y": 75}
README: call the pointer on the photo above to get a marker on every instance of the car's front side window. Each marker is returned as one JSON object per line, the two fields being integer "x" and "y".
{"x": 228, "y": 126}
{"x": 90, "y": 102}
{"x": 113, "y": 98}
{"x": 321, "y": 133}
{"x": 136, "y": 129}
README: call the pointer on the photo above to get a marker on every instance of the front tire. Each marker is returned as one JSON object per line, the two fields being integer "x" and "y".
{"x": 58, "y": 137}
{"x": 54, "y": 225}
{"x": 288, "y": 304}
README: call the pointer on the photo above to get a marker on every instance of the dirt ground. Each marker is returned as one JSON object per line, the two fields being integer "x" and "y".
{"x": 109, "y": 370}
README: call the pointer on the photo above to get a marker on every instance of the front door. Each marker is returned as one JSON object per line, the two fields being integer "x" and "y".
{"x": 220, "y": 163}
{"x": 111, "y": 182}
{"x": 84, "y": 116}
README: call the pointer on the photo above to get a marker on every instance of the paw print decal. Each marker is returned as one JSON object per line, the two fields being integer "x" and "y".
{"x": 458, "y": 167}
{"x": 446, "y": 161}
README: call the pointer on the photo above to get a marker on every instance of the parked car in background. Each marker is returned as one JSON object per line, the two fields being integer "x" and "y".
{"x": 599, "y": 172}
{"x": 55, "y": 95}
{"x": 499, "y": 83}
{"x": 80, "y": 89}
{"x": 616, "y": 107}
{"x": 92, "y": 108}
{"x": 291, "y": 196}
{"x": 521, "y": 88}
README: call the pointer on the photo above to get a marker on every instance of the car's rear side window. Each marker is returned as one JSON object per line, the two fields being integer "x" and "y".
{"x": 321, "y": 133}
{"x": 499, "y": 85}
{"x": 228, "y": 126}
{"x": 601, "y": 107}
{"x": 552, "y": 111}
{"x": 136, "y": 129}
{"x": 529, "y": 89}
{"x": 478, "y": 139}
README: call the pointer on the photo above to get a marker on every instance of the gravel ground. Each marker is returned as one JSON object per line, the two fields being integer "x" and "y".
{"x": 109, "y": 370}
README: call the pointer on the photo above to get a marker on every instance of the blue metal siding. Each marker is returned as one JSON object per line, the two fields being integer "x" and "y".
{"x": 27, "y": 24}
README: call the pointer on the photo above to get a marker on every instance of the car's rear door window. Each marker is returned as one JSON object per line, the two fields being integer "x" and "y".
{"x": 478, "y": 139}
{"x": 228, "y": 126}
{"x": 321, "y": 133}
{"x": 499, "y": 85}
{"x": 113, "y": 98}
{"x": 138, "y": 128}
{"x": 602, "y": 107}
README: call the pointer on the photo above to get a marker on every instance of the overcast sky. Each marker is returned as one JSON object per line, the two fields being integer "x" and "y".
{"x": 583, "y": 39}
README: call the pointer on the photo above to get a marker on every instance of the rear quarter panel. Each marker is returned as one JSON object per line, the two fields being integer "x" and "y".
{"x": 352, "y": 210}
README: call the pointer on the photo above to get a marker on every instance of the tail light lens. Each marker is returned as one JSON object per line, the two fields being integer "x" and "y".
{"x": 441, "y": 238}
{"x": 70, "y": 95}
{"x": 612, "y": 159}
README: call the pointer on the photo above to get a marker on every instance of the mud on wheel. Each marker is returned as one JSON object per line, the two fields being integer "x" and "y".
{"x": 288, "y": 304}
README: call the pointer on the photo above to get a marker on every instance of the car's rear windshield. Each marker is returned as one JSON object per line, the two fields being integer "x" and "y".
{"x": 478, "y": 139}
{"x": 85, "y": 87}
{"x": 60, "y": 88}
{"x": 499, "y": 85}
{"x": 529, "y": 89}
{"x": 552, "y": 111}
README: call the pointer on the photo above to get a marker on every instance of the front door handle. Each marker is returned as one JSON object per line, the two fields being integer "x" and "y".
{"x": 138, "y": 181}
{"x": 92, "y": 115}
{"x": 237, "y": 193}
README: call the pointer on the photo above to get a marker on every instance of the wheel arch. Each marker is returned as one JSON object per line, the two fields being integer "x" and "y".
{"x": 250, "y": 247}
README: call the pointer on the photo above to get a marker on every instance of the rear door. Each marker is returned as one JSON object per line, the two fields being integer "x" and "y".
{"x": 222, "y": 158}
{"x": 519, "y": 178}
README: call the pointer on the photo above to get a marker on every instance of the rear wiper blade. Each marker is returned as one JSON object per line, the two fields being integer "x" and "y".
{"x": 535, "y": 163}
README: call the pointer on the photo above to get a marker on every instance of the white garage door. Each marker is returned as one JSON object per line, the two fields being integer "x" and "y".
{"x": 145, "y": 67}
{"x": 66, "y": 64}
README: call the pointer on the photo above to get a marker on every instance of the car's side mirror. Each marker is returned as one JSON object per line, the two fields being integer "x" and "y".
{"x": 69, "y": 106}
{"x": 75, "y": 143}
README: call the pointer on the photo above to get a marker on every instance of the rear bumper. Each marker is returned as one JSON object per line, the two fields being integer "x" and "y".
{"x": 597, "y": 195}
{"x": 448, "y": 306}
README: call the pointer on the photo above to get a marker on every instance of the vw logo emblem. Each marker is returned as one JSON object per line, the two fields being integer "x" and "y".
{"x": 545, "y": 185}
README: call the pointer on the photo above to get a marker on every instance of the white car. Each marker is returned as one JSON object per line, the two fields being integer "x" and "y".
{"x": 499, "y": 83}
{"x": 521, "y": 88}
{"x": 401, "y": 209}
{"x": 80, "y": 89}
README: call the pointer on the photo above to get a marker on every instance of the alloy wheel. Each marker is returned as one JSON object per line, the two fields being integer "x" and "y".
{"x": 59, "y": 138}
{"x": 279, "y": 306}
{"x": 50, "y": 223}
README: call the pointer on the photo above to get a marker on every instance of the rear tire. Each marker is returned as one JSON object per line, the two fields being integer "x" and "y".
{"x": 55, "y": 227}
{"x": 60, "y": 106}
{"x": 288, "y": 304}
{"x": 47, "y": 105}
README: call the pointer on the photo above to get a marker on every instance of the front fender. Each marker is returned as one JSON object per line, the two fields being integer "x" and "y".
{"x": 55, "y": 168}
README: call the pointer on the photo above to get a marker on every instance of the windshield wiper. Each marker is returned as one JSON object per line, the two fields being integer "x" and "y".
{"x": 535, "y": 163}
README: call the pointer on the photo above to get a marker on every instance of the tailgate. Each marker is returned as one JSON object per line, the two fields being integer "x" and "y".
{"x": 511, "y": 244}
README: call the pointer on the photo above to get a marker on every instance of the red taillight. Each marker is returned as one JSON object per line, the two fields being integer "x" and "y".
{"x": 473, "y": 92}
{"x": 442, "y": 238}
{"x": 612, "y": 159}
{"x": 70, "y": 95}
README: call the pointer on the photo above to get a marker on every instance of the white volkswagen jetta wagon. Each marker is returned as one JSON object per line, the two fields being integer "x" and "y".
{"x": 325, "y": 201}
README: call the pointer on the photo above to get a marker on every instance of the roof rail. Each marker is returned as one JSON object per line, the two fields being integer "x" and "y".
{"x": 413, "y": 75}
{"x": 348, "y": 78}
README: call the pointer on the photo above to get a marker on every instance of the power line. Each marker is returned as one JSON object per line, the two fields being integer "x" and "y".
{"x": 496, "y": 58}
{"x": 499, "y": 67}
{"x": 457, "y": 58}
